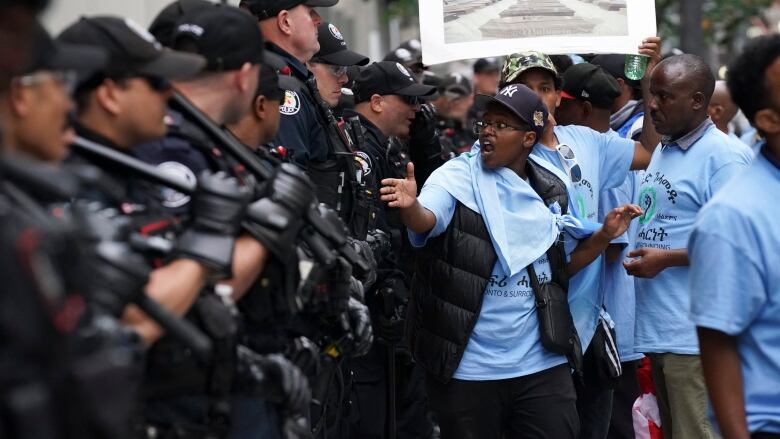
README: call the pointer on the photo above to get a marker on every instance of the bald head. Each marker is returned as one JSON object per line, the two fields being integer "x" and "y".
{"x": 722, "y": 108}
{"x": 680, "y": 88}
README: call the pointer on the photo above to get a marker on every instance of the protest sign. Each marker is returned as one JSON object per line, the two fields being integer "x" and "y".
{"x": 461, "y": 29}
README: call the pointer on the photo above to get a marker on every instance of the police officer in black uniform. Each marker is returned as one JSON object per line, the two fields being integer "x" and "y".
{"x": 388, "y": 101}
{"x": 51, "y": 325}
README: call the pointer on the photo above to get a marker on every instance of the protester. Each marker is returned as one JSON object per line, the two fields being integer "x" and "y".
{"x": 589, "y": 162}
{"x": 735, "y": 306}
{"x": 694, "y": 161}
{"x": 479, "y": 385}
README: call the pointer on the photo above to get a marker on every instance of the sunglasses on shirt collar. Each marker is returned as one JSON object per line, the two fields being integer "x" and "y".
{"x": 569, "y": 161}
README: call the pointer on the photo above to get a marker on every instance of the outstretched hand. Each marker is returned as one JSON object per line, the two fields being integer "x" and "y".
{"x": 618, "y": 219}
{"x": 400, "y": 193}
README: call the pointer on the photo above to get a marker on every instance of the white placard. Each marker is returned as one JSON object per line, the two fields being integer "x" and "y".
{"x": 463, "y": 29}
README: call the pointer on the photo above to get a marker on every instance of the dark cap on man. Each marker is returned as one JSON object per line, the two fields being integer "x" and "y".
{"x": 228, "y": 37}
{"x": 590, "y": 83}
{"x": 132, "y": 50}
{"x": 164, "y": 24}
{"x": 52, "y": 55}
{"x": 333, "y": 48}
{"x": 388, "y": 78}
{"x": 263, "y": 9}
{"x": 615, "y": 65}
{"x": 522, "y": 102}
{"x": 486, "y": 65}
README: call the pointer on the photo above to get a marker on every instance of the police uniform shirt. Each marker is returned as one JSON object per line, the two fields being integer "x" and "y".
{"x": 301, "y": 130}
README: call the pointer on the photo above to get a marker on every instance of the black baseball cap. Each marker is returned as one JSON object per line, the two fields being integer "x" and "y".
{"x": 409, "y": 53}
{"x": 52, "y": 55}
{"x": 333, "y": 48}
{"x": 590, "y": 83}
{"x": 132, "y": 50}
{"x": 615, "y": 65}
{"x": 263, "y": 9}
{"x": 522, "y": 102}
{"x": 486, "y": 65}
{"x": 268, "y": 85}
{"x": 228, "y": 37}
{"x": 388, "y": 78}
{"x": 457, "y": 86}
{"x": 165, "y": 23}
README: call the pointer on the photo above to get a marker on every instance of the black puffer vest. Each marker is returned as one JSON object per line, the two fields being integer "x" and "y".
{"x": 450, "y": 277}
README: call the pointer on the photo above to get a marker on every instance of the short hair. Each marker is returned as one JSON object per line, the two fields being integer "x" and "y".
{"x": 561, "y": 63}
{"x": 746, "y": 76}
{"x": 697, "y": 72}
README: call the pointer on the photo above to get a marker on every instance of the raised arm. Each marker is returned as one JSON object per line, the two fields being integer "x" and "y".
{"x": 649, "y": 138}
{"x": 402, "y": 194}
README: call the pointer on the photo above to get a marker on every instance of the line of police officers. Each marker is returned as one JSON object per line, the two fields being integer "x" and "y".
{"x": 191, "y": 243}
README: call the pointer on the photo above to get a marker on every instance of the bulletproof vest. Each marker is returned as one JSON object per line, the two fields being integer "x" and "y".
{"x": 336, "y": 179}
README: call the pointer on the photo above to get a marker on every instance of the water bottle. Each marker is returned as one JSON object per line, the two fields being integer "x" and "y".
{"x": 635, "y": 66}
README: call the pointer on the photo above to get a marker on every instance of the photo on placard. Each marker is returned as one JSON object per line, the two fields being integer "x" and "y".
{"x": 478, "y": 20}
{"x": 461, "y": 29}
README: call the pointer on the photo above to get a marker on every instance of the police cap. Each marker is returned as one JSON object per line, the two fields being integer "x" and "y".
{"x": 228, "y": 37}
{"x": 388, "y": 78}
{"x": 132, "y": 50}
{"x": 164, "y": 24}
{"x": 52, "y": 55}
{"x": 263, "y": 9}
{"x": 333, "y": 48}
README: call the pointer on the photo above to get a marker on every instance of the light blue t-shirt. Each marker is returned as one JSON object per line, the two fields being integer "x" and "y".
{"x": 735, "y": 282}
{"x": 505, "y": 341}
{"x": 617, "y": 286}
{"x": 677, "y": 184}
{"x": 605, "y": 160}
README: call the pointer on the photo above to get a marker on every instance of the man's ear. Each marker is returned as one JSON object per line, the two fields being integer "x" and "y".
{"x": 107, "y": 96}
{"x": 284, "y": 22}
{"x": 558, "y": 99}
{"x": 18, "y": 100}
{"x": 243, "y": 76}
{"x": 699, "y": 101}
{"x": 377, "y": 102}
{"x": 587, "y": 109}
{"x": 529, "y": 139}
{"x": 260, "y": 107}
{"x": 715, "y": 111}
{"x": 767, "y": 121}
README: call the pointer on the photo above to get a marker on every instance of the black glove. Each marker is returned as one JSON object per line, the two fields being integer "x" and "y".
{"x": 277, "y": 220}
{"x": 218, "y": 206}
{"x": 119, "y": 277}
{"x": 305, "y": 354}
{"x": 423, "y": 135}
{"x": 364, "y": 250}
{"x": 360, "y": 321}
{"x": 277, "y": 379}
{"x": 389, "y": 329}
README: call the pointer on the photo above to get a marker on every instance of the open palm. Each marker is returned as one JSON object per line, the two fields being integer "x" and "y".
{"x": 400, "y": 193}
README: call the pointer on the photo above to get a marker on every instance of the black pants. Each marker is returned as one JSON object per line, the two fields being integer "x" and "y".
{"x": 627, "y": 391}
{"x": 760, "y": 435}
{"x": 542, "y": 405}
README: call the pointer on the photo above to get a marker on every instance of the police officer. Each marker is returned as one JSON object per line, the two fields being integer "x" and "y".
{"x": 452, "y": 119}
{"x": 48, "y": 270}
{"x": 387, "y": 102}
{"x": 330, "y": 64}
{"x": 290, "y": 29}
{"x": 409, "y": 55}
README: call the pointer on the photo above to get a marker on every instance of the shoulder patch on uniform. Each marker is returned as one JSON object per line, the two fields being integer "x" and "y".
{"x": 291, "y": 104}
{"x": 364, "y": 162}
{"x": 171, "y": 198}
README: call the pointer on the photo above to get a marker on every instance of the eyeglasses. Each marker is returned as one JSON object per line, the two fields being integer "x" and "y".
{"x": 411, "y": 100}
{"x": 158, "y": 83}
{"x": 333, "y": 69}
{"x": 569, "y": 160}
{"x": 68, "y": 79}
{"x": 480, "y": 125}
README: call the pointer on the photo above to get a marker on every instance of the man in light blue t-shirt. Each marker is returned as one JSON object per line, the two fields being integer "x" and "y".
{"x": 734, "y": 280}
{"x": 693, "y": 162}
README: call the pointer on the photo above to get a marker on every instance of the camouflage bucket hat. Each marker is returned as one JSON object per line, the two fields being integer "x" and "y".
{"x": 517, "y": 63}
